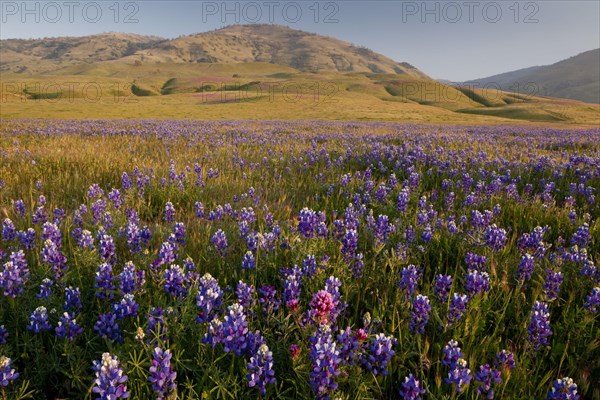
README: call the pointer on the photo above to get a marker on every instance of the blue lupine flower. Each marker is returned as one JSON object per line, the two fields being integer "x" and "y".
{"x": 219, "y": 241}
{"x": 325, "y": 357}
{"x": 174, "y": 279}
{"x": 3, "y": 334}
{"x": 409, "y": 279}
{"x": 451, "y": 354}
{"x": 14, "y": 274}
{"x": 107, "y": 327}
{"x": 495, "y": 238}
{"x": 419, "y": 314}
{"x": 487, "y": 376}
{"x": 525, "y": 268}
{"x": 68, "y": 327}
{"x": 477, "y": 282}
{"x": 52, "y": 256}
{"x": 457, "y": 308}
{"x": 162, "y": 377}
{"x": 110, "y": 379}
{"x": 72, "y": 299}
{"x": 209, "y": 298}
{"x": 592, "y": 301}
{"x": 127, "y": 307}
{"x": 245, "y": 296}
{"x": 9, "y": 232}
{"x": 27, "y": 238}
{"x": 260, "y": 369}
{"x": 38, "y": 320}
{"x": 20, "y": 208}
{"x": 350, "y": 243}
{"x": 475, "y": 261}
{"x": 442, "y": 286}
{"x": 268, "y": 299}
{"x": 460, "y": 375}
{"x": 248, "y": 262}
{"x": 233, "y": 330}
{"x": 552, "y": 284}
{"x": 563, "y": 389}
{"x": 131, "y": 280}
{"x": 104, "y": 282}
{"x": 582, "y": 236}
{"x": 411, "y": 389}
{"x": 378, "y": 354}
{"x": 169, "y": 212}
{"x": 505, "y": 359}
{"x": 7, "y": 373}
{"x": 539, "y": 327}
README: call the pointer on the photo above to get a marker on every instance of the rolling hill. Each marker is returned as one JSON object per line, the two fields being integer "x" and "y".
{"x": 576, "y": 78}
{"x": 246, "y": 72}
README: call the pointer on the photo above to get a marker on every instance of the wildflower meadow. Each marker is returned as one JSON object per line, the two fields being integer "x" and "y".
{"x": 298, "y": 260}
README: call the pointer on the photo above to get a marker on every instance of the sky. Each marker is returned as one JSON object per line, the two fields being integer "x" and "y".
{"x": 454, "y": 40}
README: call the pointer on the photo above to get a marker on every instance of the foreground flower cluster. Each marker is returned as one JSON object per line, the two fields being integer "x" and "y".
{"x": 298, "y": 260}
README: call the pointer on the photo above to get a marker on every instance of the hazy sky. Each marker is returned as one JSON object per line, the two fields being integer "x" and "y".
{"x": 456, "y": 40}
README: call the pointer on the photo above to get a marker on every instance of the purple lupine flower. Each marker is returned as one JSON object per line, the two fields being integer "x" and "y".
{"x": 68, "y": 327}
{"x": 308, "y": 222}
{"x": 378, "y": 354}
{"x": 20, "y": 208}
{"x": 27, "y": 238}
{"x": 412, "y": 388}
{"x": 39, "y": 216}
{"x": 179, "y": 231}
{"x": 157, "y": 327}
{"x": 38, "y": 320}
{"x": 333, "y": 285}
{"x": 3, "y": 334}
{"x": 582, "y": 236}
{"x": 9, "y": 232}
{"x": 442, "y": 286}
{"x": 245, "y": 296}
{"x": 52, "y": 232}
{"x": 72, "y": 299}
{"x": 350, "y": 243}
{"x": 233, "y": 330}
{"x": 486, "y": 377}
{"x": 477, "y": 282}
{"x": 45, "y": 289}
{"x": 167, "y": 254}
{"x": 358, "y": 266}
{"x": 260, "y": 369}
{"x": 52, "y": 256}
{"x": 592, "y": 301}
{"x": 539, "y": 327}
{"x": 563, "y": 389}
{"x": 108, "y": 328}
{"x": 86, "y": 240}
{"x": 14, "y": 274}
{"x": 350, "y": 344}
{"x": 209, "y": 298}
{"x": 409, "y": 280}
{"x": 475, "y": 261}
{"x": 460, "y": 375}
{"x": 451, "y": 354}
{"x": 219, "y": 241}
{"x": 131, "y": 280}
{"x": 495, "y": 238}
{"x": 525, "y": 268}
{"x": 174, "y": 279}
{"x": 95, "y": 191}
{"x": 110, "y": 379}
{"x": 427, "y": 234}
{"x": 7, "y": 373}
{"x": 134, "y": 238}
{"x": 169, "y": 215}
{"x": 116, "y": 198}
{"x": 419, "y": 314}
{"x": 104, "y": 282}
{"x": 268, "y": 299}
{"x": 383, "y": 229}
{"x": 310, "y": 266}
{"x": 127, "y": 307}
{"x": 107, "y": 249}
{"x": 457, "y": 308}
{"x": 162, "y": 377}
{"x": 291, "y": 290}
{"x": 552, "y": 284}
{"x": 505, "y": 359}
{"x": 325, "y": 357}
{"x": 248, "y": 262}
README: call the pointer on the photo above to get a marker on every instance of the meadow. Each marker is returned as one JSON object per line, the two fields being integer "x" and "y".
{"x": 168, "y": 259}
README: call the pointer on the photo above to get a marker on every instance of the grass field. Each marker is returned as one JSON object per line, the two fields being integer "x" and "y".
{"x": 346, "y": 256}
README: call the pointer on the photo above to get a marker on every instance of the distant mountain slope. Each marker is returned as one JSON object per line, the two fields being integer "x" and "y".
{"x": 576, "y": 78}
{"x": 274, "y": 44}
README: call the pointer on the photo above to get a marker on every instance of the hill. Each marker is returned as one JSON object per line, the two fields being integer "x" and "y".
{"x": 576, "y": 78}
